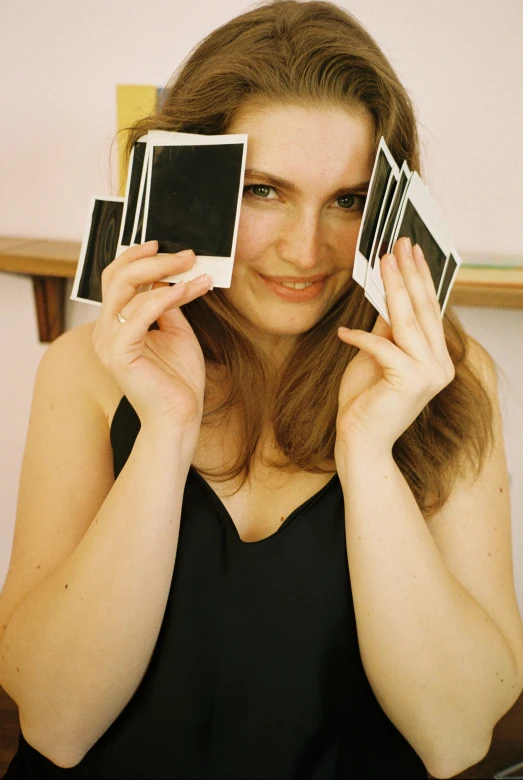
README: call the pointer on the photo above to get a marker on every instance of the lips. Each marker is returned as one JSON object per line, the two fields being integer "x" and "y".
{"x": 309, "y": 293}
{"x": 297, "y": 279}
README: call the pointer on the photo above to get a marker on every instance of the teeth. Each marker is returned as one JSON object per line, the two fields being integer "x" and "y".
{"x": 296, "y": 285}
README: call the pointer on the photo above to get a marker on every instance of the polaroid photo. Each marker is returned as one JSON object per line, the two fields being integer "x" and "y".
{"x": 382, "y": 218}
{"x": 133, "y": 192}
{"x": 98, "y": 249}
{"x": 132, "y": 223}
{"x": 193, "y": 193}
{"x": 448, "y": 278}
{"x": 374, "y": 282}
{"x": 384, "y": 171}
{"x": 137, "y": 232}
{"x": 421, "y": 220}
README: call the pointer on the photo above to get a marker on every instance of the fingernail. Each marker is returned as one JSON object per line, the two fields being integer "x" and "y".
{"x": 407, "y": 245}
{"x": 417, "y": 251}
{"x": 200, "y": 279}
{"x": 150, "y": 244}
{"x": 185, "y": 253}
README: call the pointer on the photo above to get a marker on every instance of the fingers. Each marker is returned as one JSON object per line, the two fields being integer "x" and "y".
{"x": 118, "y": 342}
{"x": 133, "y": 297}
{"x": 416, "y": 276}
{"x": 424, "y": 271}
{"x": 135, "y": 268}
{"x": 147, "y": 307}
{"x": 406, "y": 328}
{"x": 386, "y": 353}
{"x": 412, "y": 302}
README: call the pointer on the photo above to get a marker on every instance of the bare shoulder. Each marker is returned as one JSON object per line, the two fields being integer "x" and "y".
{"x": 72, "y": 361}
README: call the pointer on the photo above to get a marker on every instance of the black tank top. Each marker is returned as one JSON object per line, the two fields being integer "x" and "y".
{"x": 256, "y": 672}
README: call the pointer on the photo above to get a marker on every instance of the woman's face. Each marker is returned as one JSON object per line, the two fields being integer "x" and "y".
{"x": 306, "y": 176}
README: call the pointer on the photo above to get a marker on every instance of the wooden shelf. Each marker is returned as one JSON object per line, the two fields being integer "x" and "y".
{"x": 500, "y": 288}
{"x": 39, "y": 257}
{"x": 51, "y": 263}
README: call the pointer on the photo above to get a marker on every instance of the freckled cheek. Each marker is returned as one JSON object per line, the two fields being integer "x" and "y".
{"x": 345, "y": 242}
{"x": 257, "y": 232}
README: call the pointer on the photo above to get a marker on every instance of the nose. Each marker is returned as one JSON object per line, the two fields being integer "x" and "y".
{"x": 301, "y": 240}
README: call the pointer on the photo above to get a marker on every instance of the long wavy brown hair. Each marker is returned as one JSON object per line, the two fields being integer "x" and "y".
{"x": 306, "y": 53}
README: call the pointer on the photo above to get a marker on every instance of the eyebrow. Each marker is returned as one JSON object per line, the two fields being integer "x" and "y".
{"x": 283, "y": 184}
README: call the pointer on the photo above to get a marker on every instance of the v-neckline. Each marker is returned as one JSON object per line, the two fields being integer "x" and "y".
{"x": 225, "y": 512}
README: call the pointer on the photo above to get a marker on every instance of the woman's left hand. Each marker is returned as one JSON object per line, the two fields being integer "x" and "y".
{"x": 399, "y": 368}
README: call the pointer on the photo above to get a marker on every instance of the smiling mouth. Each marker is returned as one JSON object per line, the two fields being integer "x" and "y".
{"x": 296, "y": 283}
{"x": 298, "y": 292}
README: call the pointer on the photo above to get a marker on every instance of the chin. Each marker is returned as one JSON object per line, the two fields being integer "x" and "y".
{"x": 286, "y": 331}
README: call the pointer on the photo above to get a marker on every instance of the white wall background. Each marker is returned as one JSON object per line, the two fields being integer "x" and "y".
{"x": 61, "y": 60}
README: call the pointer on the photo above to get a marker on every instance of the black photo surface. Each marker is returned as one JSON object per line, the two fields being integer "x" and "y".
{"x": 374, "y": 201}
{"x": 447, "y": 279}
{"x": 412, "y": 226}
{"x": 193, "y": 198}
{"x": 135, "y": 174}
{"x": 101, "y": 247}
{"x": 382, "y": 218}
{"x": 401, "y": 186}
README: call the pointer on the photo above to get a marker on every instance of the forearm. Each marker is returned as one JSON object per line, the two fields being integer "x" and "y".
{"x": 438, "y": 664}
{"x": 78, "y": 645}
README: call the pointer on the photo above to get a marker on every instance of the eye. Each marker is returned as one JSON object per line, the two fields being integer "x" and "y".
{"x": 351, "y": 202}
{"x": 259, "y": 190}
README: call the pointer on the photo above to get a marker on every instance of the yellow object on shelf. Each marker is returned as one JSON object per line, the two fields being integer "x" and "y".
{"x": 133, "y": 101}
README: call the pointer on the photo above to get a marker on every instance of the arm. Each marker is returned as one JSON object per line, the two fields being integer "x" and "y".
{"x": 92, "y": 557}
{"x": 438, "y": 623}
{"x": 92, "y": 563}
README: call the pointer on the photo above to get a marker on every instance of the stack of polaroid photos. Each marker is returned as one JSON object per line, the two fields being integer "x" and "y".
{"x": 399, "y": 204}
{"x": 183, "y": 190}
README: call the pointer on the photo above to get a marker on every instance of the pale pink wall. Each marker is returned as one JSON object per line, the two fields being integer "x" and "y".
{"x": 60, "y": 62}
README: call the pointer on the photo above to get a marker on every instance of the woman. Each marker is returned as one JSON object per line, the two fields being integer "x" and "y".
{"x": 157, "y": 623}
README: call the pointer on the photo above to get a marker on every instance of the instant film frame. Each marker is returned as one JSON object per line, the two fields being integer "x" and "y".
{"x": 374, "y": 281}
{"x": 384, "y": 170}
{"x": 98, "y": 248}
{"x": 136, "y": 237}
{"x": 138, "y": 225}
{"x": 447, "y": 280}
{"x": 133, "y": 189}
{"x": 422, "y": 221}
{"x": 392, "y": 186}
{"x": 193, "y": 196}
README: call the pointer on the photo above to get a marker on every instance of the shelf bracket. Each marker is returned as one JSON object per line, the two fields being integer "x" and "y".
{"x": 49, "y": 295}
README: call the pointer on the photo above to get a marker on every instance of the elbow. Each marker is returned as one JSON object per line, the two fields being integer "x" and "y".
{"x": 61, "y": 755}
{"x": 56, "y": 749}
{"x": 453, "y": 762}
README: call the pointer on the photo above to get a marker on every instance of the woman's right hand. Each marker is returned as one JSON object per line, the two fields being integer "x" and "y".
{"x": 162, "y": 372}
